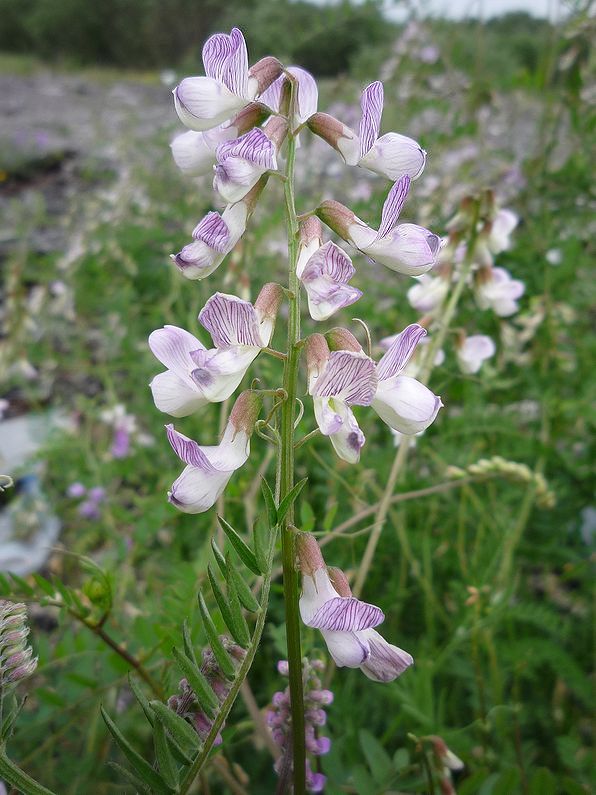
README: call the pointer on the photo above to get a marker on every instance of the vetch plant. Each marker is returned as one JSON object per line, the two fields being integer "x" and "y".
{"x": 246, "y": 121}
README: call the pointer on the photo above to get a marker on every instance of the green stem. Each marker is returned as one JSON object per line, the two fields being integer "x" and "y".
{"x": 286, "y": 479}
{"x": 18, "y": 779}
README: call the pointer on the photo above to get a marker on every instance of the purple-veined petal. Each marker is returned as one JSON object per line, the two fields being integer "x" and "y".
{"x": 232, "y": 452}
{"x": 213, "y": 231}
{"x": 371, "y": 104}
{"x": 405, "y": 404}
{"x": 394, "y": 156}
{"x": 348, "y": 649}
{"x": 329, "y": 260}
{"x": 346, "y": 614}
{"x": 400, "y": 351}
{"x": 172, "y": 346}
{"x": 174, "y": 396}
{"x": 231, "y": 321}
{"x": 254, "y": 146}
{"x": 188, "y": 450}
{"x": 349, "y": 376}
{"x": 385, "y": 661}
{"x": 326, "y": 297}
{"x": 197, "y": 260}
{"x": 235, "y": 75}
{"x": 216, "y": 53}
{"x": 393, "y": 205}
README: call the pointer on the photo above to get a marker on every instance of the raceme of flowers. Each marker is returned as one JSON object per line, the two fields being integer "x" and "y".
{"x": 238, "y": 119}
{"x": 279, "y": 720}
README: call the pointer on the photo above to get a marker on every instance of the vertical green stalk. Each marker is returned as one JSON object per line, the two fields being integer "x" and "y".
{"x": 401, "y": 456}
{"x": 286, "y": 476}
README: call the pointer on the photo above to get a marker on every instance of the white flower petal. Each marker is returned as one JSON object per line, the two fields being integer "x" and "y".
{"x": 405, "y": 404}
{"x": 174, "y": 396}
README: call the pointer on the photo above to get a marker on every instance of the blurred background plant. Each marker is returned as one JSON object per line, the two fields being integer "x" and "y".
{"x": 485, "y": 580}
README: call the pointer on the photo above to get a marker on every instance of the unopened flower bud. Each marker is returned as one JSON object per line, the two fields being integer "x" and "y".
{"x": 310, "y": 558}
{"x": 337, "y": 217}
{"x": 246, "y": 411}
{"x": 265, "y": 72}
{"x": 317, "y": 354}
{"x": 339, "y": 581}
{"x": 268, "y": 301}
{"x": 337, "y": 135}
{"x": 340, "y": 339}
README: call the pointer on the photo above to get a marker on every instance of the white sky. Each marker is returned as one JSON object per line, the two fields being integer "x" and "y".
{"x": 459, "y": 9}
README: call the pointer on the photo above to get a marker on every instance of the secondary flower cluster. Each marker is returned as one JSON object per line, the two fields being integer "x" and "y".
{"x": 279, "y": 719}
{"x": 16, "y": 656}
{"x": 239, "y": 118}
{"x": 493, "y": 287}
{"x": 185, "y": 702}
{"x": 346, "y": 623}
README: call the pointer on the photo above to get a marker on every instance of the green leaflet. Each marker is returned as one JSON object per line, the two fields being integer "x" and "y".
{"x": 182, "y": 732}
{"x": 143, "y": 768}
{"x": 247, "y": 556}
{"x": 203, "y": 691}
{"x": 223, "y": 658}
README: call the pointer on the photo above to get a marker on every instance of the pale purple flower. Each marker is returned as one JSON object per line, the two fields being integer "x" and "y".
{"x": 503, "y": 224}
{"x": 89, "y": 510}
{"x": 405, "y": 404}
{"x": 391, "y": 155}
{"x": 76, "y": 490}
{"x": 97, "y": 494}
{"x": 341, "y": 620}
{"x": 213, "y": 237}
{"x": 428, "y": 293}
{"x": 241, "y": 162}
{"x": 473, "y": 352}
{"x": 205, "y": 102}
{"x": 209, "y": 468}
{"x": 496, "y": 290}
{"x": 325, "y": 277}
{"x": 337, "y": 381}
{"x": 120, "y": 443}
{"x": 307, "y": 95}
{"x": 405, "y": 248}
{"x": 346, "y": 623}
{"x": 197, "y": 376}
